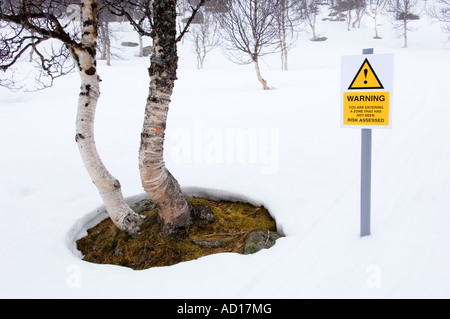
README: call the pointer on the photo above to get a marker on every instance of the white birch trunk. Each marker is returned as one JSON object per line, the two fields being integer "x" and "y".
{"x": 141, "y": 46}
{"x": 108, "y": 186}
{"x": 376, "y": 22}
{"x": 405, "y": 32}
{"x": 108, "y": 44}
{"x": 258, "y": 74}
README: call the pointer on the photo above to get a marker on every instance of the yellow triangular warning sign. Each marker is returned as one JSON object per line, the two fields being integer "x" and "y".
{"x": 366, "y": 78}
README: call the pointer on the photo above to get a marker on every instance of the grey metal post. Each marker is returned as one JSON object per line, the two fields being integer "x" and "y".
{"x": 366, "y": 174}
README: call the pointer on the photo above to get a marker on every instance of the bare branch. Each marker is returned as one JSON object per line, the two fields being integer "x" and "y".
{"x": 25, "y": 26}
{"x": 136, "y": 12}
{"x": 194, "y": 13}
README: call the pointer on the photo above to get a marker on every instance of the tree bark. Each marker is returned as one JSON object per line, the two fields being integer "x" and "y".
{"x": 376, "y": 22}
{"x": 109, "y": 187}
{"x": 108, "y": 44}
{"x": 349, "y": 19}
{"x": 282, "y": 34}
{"x": 405, "y": 32}
{"x": 258, "y": 74}
{"x": 284, "y": 49}
{"x": 173, "y": 210}
{"x": 141, "y": 46}
{"x": 312, "y": 23}
{"x": 106, "y": 50}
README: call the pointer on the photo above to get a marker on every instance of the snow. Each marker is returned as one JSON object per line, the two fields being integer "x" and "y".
{"x": 301, "y": 165}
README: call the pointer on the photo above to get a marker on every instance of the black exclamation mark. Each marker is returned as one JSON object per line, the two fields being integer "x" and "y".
{"x": 365, "y": 75}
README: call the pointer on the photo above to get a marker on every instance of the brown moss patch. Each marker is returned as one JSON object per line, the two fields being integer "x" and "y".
{"x": 233, "y": 222}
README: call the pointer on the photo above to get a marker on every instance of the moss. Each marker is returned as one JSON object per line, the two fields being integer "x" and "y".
{"x": 233, "y": 222}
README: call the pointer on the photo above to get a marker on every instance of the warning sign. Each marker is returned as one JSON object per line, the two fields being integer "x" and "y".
{"x": 366, "y": 86}
{"x": 366, "y": 108}
{"x": 366, "y": 78}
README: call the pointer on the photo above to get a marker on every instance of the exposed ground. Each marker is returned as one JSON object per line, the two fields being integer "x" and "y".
{"x": 228, "y": 232}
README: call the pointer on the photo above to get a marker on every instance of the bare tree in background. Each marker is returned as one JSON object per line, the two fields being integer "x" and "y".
{"x": 249, "y": 32}
{"x": 348, "y": 5}
{"x": 440, "y": 11}
{"x": 288, "y": 21}
{"x": 106, "y": 32}
{"x": 360, "y": 9}
{"x": 309, "y": 9}
{"x": 404, "y": 12}
{"x": 105, "y": 39}
{"x": 376, "y": 7}
{"x": 204, "y": 36}
{"x": 28, "y": 25}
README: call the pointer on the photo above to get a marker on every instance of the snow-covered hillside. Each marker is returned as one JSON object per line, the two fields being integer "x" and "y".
{"x": 303, "y": 167}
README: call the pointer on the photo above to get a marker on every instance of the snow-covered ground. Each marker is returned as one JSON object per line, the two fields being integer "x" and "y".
{"x": 300, "y": 164}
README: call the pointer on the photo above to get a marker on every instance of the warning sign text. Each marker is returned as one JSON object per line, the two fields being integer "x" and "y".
{"x": 370, "y": 108}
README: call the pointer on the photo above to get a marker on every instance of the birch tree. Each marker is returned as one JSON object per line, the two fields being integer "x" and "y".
{"x": 440, "y": 11}
{"x": 348, "y": 5}
{"x": 360, "y": 9}
{"x": 287, "y": 20}
{"x": 249, "y": 32}
{"x": 105, "y": 34}
{"x": 309, "y": 10}
{"x": 205, "y": 37}
{"x": 173, "y": 210}
{"x": 376, "y": 7}
{"x": 404, "y": 12}
{"x": 28, "y": 24}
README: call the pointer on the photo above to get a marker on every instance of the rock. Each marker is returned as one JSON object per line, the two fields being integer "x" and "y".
{"x": 129, "y": 44}
{"x": 146, "y": 51}
{"x": 320, "y": 39}
{"x": 202, "y": 212}
{"x": 143, "y": 206}
{"x": 260, "y": 240}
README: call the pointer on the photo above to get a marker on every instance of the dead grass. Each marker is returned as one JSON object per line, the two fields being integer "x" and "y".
{"x": 105, "y": 244}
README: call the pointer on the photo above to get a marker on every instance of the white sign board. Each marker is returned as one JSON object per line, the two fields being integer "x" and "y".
{"x": 367, "y": 90}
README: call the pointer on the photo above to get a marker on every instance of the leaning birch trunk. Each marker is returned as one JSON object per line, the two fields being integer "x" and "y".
{"x": 258, "y": 74}
{"x": 109, "y": 187}
{"x": 173, "y": 210}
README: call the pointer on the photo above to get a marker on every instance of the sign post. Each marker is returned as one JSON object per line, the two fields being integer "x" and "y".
{"x": 366, "y": 85}
{"x": 366, "y": 172}
{"x": 366, "y": 179}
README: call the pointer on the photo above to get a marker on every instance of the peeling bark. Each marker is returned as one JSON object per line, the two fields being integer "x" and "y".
{"x": 109, "y": 187}
{"x": 173, "y": 209}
